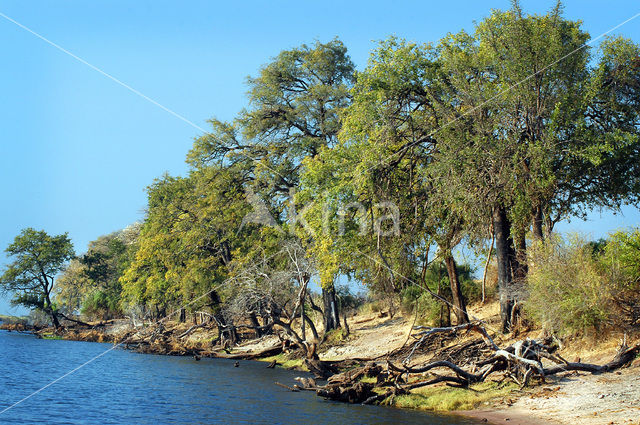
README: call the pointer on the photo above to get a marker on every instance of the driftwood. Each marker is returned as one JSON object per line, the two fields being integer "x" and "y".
{"x": 521, "y": 362}
{"x": 265, "y": 352}
{"x": 287, "y": 387}
{"x": 79, "y": 322}
{"x": 191, "y": 329}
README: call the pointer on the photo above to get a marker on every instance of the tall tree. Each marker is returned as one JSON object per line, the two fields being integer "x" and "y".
{"x": 294, "y": 112}
{"x": 378, "y": 169}
{"x": 528, "y": 134}
{"x": 37, "y": 259}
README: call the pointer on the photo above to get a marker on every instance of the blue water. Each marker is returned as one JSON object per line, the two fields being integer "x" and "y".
{"x": 124, "y": 387}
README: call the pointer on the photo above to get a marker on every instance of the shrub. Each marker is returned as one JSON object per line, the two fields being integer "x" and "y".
{"x": 620, "y": 264}
{"x": 429, "y": 308}
{"x": 101, "y": 305}
{"x": 567, "y": 292}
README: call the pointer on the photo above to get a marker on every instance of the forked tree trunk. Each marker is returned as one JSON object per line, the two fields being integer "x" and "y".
{"x": 504, "y": 249}
{"x": 459, "y": 307}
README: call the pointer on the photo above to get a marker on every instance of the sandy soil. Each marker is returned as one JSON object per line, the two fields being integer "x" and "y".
{"x": 610, "y": 398}
{"x": 371, "y": 337}
{"x": 575, "y": 398}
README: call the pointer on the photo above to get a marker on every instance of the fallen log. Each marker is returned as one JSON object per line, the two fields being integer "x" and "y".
{"x": 252, "y": 355}
{"x": 520, "y": 362}
{"x": 192, "y": 328}
{"x": 624, "y": 356}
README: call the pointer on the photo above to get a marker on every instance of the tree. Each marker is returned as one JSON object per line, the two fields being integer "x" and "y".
{"x": 90, "y": 284}
{"x": 37, "y": 259}
{"x": 295, "y": 103}
{"x": 378, "y": 167}
{"x": 534, "y": 132}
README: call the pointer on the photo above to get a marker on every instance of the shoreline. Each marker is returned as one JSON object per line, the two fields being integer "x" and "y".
{"x": 577, "y": 398}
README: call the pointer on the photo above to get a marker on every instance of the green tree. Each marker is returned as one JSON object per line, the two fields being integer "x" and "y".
{"x": 378, "y": 167}
{"x": 30, "y": 277}
{"x": 90, "y": 283}
{"x": 294, "y": 112}
{"x": 522, "y": 144}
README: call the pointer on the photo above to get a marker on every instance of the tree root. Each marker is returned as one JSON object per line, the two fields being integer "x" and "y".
{"x": 520, "y": 362}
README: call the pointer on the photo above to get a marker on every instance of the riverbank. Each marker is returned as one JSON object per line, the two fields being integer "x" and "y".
{"x": 575, "y": 397}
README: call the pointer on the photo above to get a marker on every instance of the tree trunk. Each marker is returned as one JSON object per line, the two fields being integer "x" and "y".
{"x": 459, "y": 307}
{"x": 504, "y": 249}
{"x": 54, "y": 318}
{"x": 50, "y": 310}
{"x": 445, "y": 312}
{"x": 519, "y": 259}
{"x": 331, "y": 312}
{"x": 537, "y": 224}
{"x": 314, "y": 331}
{"x": 183, "y": 315}
{"x": 254, "y": 322}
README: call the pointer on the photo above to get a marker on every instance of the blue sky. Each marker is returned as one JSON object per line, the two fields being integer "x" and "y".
{"x": 77, "y": 149}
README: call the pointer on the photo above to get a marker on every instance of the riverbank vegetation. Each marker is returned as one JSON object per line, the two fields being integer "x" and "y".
{"x": 482, "y": 140}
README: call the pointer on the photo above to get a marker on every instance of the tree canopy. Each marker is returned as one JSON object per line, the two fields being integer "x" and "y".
{"x": 37, "y": 259}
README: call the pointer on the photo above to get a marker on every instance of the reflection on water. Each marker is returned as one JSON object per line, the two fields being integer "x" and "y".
{"x": 127, "y": 387}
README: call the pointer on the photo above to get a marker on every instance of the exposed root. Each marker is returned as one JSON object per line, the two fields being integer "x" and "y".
{"x": 521, "y": 362}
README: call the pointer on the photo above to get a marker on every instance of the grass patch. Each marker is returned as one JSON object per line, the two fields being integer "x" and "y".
{"x": 445, "y": 399}
{"x": 285, "y": 362}
{"x": 369, "y": 379}
{"x": 336, "y": 337}
{"x": 50, "y": 336}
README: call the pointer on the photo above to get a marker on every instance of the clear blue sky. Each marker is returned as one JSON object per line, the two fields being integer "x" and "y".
{"x": 77, "y": 149}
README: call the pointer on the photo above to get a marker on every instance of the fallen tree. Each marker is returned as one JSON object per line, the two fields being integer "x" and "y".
{"x": 522, "y": 362}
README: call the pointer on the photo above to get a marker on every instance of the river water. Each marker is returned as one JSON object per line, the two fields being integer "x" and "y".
{"x": 124, "y": 387}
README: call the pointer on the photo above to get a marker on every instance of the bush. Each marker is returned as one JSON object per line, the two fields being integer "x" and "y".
{"x": 101, "y": 305}
{"x": 620, "y": 263}
{"x": 567, "y": 292}
{"x": 428, "y": 308}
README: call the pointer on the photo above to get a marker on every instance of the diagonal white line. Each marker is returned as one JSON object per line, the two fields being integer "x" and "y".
{"x": 106, "y": 74}
{"x": 105, "y": 352}
{"x": 121, "y": 83}
{"x": 475, "y": 108}
{"x": 60, "y": 378}
{"x": 264, "y": 260}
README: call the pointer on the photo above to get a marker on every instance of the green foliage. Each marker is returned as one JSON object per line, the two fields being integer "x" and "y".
{"x": 90, "y": 284}
{"x": 577, "y": 286}
{"x": 619, "y": 263}
{"x": 101, "y": 304}
{"x": 37, "y": 259}
{"x": 567, "y": 292}
{"x": 620, "y": 259}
